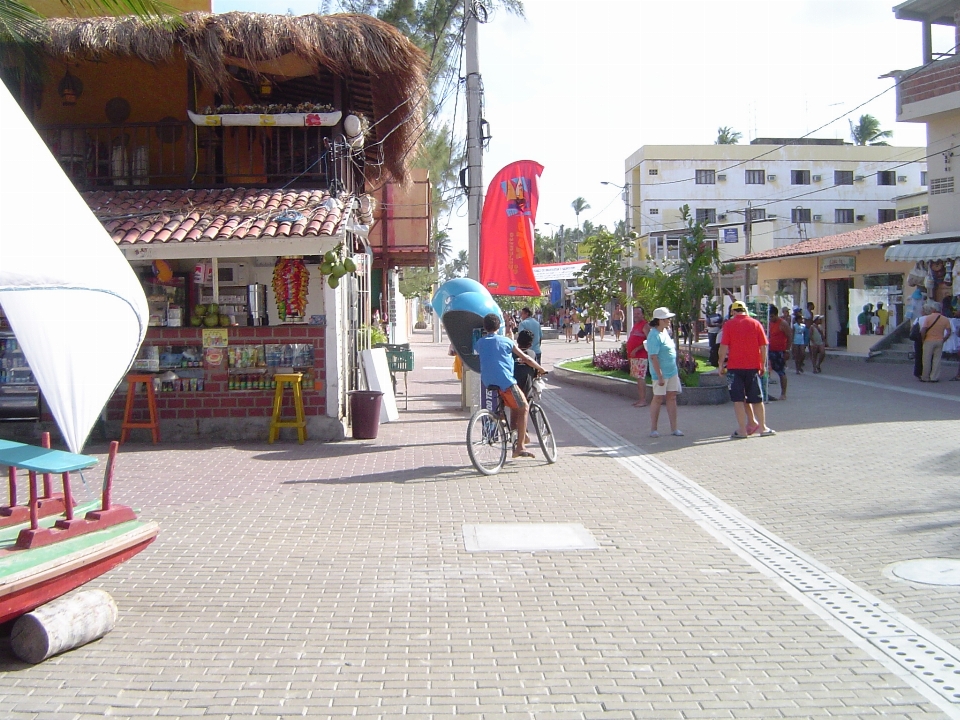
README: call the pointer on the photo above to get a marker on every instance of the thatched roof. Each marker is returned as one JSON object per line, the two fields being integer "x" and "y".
{"x": 373, "y": 57}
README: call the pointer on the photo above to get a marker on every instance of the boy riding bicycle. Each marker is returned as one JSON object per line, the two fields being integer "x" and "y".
{"x": 497, "y": 355}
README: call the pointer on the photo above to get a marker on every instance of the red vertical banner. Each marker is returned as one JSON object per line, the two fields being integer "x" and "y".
{"x": 506, "y": 230}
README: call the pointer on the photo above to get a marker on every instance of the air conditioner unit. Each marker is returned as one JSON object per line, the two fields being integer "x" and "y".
{"x": 861, "y": 218}
{"x": 817, "y": 218}
{"x": 722, "y": 216}
{"x": 817, "y": 178}
{"x": 721, "y": 177}
{"x": 901, "y": 178}
{"x": 771, "y": 178}
{"x": 858, "y": 178}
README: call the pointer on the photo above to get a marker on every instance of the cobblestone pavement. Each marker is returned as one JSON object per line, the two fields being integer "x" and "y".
{"x": 332, "y": 580}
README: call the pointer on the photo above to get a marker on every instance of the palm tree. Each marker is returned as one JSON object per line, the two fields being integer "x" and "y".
{"x": 868, "y": 132}
{"x": 444, "y": 246}
{"x": 579, "y": 205}
{"x": 20, "y": 24}
{"x": 727, "y": 136}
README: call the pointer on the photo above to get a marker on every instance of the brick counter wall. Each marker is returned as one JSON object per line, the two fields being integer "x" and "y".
{"x": 941, "y": 78}
{"x": 216, "y": 401}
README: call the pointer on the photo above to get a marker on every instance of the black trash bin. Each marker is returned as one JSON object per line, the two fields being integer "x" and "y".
{"x": 365, "y": 413}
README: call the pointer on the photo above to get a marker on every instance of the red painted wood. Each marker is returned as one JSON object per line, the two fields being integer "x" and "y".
{"x": 47, "y": 477}
{"x": 32, "y": 597}
{"x": 21, "y": 513}
{"x": 65, "y": 529}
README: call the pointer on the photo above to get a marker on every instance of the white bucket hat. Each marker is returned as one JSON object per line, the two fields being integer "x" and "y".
{"x": 662, "y": 313}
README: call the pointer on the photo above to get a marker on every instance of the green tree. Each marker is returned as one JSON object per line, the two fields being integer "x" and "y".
{"x": 601, "y": 278}
{"x": 418, "y": 282}
{"x": 21, "y": 25}
{"x": 867, "y": 132}
{"x": 544, "y": 248}
{"x": 681, "y": 284}
{"x": 727, "y": 136}
{"x": 455, "y": 268}
{"x": 579, "y": 205}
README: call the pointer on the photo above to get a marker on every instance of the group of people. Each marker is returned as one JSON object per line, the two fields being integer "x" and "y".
{"x": 929, "y": 332}
{"x": 742, "y": 357}
{"x": 795, "y": 336}
{"x": 576, "y": 327}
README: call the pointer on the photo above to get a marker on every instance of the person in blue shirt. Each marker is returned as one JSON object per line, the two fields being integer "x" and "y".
{"x": 529, "y": 322}
{"x": 497, "y": 354}
{"x": 662, "y": 351}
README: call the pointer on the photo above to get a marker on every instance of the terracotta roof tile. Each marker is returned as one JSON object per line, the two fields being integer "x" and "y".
{"x": 876, "y": 235}
{"x": 172, "y": 216}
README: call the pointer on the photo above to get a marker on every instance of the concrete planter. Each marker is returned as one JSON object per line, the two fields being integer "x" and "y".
{"x": 712, "y": 390}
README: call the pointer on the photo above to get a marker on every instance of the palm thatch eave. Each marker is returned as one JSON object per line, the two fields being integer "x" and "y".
{"x": 346, "y": 45}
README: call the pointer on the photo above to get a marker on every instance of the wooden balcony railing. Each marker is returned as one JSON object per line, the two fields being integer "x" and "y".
{"x": 180, "y": 154}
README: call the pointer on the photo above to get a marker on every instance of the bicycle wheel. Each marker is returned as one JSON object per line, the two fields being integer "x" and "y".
{"x": 487, "y": 440}
{"x": 544, "y": 432}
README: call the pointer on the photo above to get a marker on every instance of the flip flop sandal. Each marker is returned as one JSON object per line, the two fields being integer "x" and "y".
{"x": 524, "y": 454}
{"x": 751, "y": 429}
{"x": 768, "y": 433}
{"x": 738, "y": 436}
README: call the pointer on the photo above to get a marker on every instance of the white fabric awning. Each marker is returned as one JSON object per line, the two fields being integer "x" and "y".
{"x": 913, "y": 252}
{"x": 557, "y": 271}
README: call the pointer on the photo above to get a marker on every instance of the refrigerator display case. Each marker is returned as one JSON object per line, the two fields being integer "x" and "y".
{"x": 19, "y": 392}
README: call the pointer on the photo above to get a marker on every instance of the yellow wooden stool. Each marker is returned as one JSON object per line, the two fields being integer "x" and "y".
{"x": 300, "y": 423}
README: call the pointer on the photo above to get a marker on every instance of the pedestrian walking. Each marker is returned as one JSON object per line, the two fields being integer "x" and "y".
{"x": 934, "y": 329}
{"x": 637, "y": 353}
{"x": 780, "y": 335}
{"x": 602, "y": 324}
{"x": 616, "y": 323}
{"x": 743, "y": 354}
{"x": 818, "y": 347}
{"x": 800, "y": 341}
{"x": 529, "y": 323}
{"x": 575, "y": 323}
{"x": 662, "y": 351}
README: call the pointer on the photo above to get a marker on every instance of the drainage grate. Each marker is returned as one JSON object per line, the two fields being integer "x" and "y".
{"x": 931, "y": 662}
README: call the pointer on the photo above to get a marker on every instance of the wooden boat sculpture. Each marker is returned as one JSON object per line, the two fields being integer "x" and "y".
{"x": 59, "y": 290}
{"x": 51, "y": 546}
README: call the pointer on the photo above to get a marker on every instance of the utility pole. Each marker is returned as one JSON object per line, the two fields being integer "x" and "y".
{"x": 470, "y": 387}
{"x": 560, "y": 244}
{"x": 748, "y": 246}
{"x": 474, "y": 141}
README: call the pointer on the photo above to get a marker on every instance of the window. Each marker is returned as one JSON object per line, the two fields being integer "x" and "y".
{"x": 653, "y": 171}
{"x": 923, "y": 177}
{"x": 843, "y": 216}
{"x": 706, "y": 177}
{"x": 843, "y": 177}
{"x": 887, "y": 177}
{"x": 801, "y": 215}
{"x": 912, "y": 212}
{"x": 758, "y": 214}
{"x": 799, "y": 177}
{"x": 706, "y": 215}
{"x": 941, "y": 186}
{"x": 654, "y": 211}
{"x": 886, "y": 215}
{"x": 755, "y": 177}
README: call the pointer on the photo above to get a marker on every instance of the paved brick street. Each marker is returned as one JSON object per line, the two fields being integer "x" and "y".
{"x": 332, "y": 580}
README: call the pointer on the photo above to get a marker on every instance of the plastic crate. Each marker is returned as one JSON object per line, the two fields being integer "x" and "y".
{"x": 400, "y": 360}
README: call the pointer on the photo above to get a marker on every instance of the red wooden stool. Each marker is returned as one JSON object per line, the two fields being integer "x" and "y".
{"x": 153, "y": 425}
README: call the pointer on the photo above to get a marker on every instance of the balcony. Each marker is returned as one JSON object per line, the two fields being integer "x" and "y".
{"x": 175, "y": 154}
{"x": 929, "y": 91}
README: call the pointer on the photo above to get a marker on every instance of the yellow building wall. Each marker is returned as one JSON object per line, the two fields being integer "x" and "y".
{"x": 55, "y": 8}
{"x": 869, "y": 262}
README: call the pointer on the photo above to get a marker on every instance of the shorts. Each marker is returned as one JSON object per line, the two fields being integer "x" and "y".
{"x": 745, "y": 386}
{"x": 672, "y": 384}
{"x": 616, "y": 325}
{"x": 778, "y": 362}
{"x": 514, "y": 398}
{"x": 638, "y": 367}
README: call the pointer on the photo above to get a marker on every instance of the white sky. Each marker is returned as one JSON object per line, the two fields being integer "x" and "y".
{"x": 579, "y": 86}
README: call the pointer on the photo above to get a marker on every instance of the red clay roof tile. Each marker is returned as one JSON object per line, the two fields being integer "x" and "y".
{"x": 883, "y": 234}
{"x": 140, "y": 216}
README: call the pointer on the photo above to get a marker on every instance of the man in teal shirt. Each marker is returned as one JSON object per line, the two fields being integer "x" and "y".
{"x": 529, "y": 322}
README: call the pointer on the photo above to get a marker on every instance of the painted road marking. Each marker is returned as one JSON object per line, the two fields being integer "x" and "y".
{"x": 913, "y": 653}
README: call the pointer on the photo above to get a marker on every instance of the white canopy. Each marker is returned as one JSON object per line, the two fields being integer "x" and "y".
{"x": 74, "y": 303}
{"x": 922, "y": 251}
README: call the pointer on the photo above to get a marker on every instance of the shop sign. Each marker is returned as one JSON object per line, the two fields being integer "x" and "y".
{"x": 215, "y": 337}
{"x": 846, "y": 263}
{"x": 731, "y": 235}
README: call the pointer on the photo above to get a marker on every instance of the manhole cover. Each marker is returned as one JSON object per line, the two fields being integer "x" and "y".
{"x": 929, "y": 571}
{"x": 527, "y": 537}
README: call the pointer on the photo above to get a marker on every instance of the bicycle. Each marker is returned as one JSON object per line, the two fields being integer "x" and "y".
{"x": 489, "y": 434}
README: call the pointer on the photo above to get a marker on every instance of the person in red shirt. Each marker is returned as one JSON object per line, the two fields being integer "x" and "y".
{"x": 743, "y": 354}
{"x": 638, "y": 354}
{"x": 779, "y": 343}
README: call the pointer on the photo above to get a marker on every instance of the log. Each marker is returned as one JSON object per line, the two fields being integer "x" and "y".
{"x": 63, "y": 624}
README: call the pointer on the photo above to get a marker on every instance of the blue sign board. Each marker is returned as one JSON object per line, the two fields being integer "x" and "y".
{"x": 731, "y": 235}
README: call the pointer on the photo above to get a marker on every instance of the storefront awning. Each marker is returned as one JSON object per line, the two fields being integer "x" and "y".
{"x": 912, "y": 252}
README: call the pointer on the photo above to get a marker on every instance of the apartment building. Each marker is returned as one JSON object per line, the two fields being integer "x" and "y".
{"x": 796, "y": 189}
